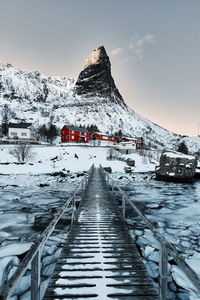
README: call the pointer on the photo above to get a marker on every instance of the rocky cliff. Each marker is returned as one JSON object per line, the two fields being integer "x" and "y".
{"x": 96, "y": 80}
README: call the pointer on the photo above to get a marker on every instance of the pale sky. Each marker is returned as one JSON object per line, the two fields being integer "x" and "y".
{"x": 154, "y": 48}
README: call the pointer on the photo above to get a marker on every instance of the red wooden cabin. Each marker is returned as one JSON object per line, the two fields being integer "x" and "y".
{"x": 74, "y": 134}
{"x": 99, "y": 138}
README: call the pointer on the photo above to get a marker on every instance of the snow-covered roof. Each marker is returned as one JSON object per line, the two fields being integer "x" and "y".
{"x": 174, "y": 154}
{"x": 129, "y": 138}
{"x": 127, "y": 143}
{"x": 76, "y": 128}
{"x": 105, "y": 134}
{"x": 19, "y": 125}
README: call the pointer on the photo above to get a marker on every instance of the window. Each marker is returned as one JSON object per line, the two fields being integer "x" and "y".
{"x": 24, "y": 134}
{"x": 72, "y": 131}
{"x": 13, "y": 133}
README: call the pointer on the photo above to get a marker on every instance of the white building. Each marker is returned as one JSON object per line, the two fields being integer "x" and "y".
{"x": 20, "y": 131}
{"x": 126, "y": 147}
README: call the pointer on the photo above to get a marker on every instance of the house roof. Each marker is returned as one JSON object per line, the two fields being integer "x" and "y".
{"x": 105, "y": 134}
{"x": 76, "y": 128}
{"x": 19, "y": 125}
{"x": 130, "y": 138}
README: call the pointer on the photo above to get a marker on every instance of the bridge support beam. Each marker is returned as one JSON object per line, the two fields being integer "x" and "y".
{"x": 163, "y": 272}
{"x": 35, "y": 277}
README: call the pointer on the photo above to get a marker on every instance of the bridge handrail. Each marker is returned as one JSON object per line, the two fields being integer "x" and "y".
{"x": 165, "y": 246}
{"x": 33, "y": 255}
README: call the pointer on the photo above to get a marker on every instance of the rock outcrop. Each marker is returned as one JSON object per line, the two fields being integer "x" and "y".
{"x": 96, "y": 80}
{"x": 175, "y": 166}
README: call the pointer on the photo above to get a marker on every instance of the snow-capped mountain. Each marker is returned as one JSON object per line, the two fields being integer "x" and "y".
{"x": 29, "y": 87}
{"x": 93, "y": 99}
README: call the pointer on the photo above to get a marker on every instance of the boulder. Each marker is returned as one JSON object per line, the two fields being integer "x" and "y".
{"x": 130, "y": 162}
{"x": 108, "y": 169}
{"x": 175, "y": 166}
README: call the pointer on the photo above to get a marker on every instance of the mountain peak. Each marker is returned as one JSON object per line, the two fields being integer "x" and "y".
{"x": 98, "y": 57}
{"x": 96, "y": 80}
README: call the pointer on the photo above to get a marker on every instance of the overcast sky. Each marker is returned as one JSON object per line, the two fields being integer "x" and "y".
{"x": 154, "y": 48}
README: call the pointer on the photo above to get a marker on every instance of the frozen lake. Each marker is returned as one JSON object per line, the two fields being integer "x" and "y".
{"x": 23, "y": 201}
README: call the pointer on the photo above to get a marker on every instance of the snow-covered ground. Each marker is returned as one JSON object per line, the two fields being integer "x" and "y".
{"x": 47, "y": 159}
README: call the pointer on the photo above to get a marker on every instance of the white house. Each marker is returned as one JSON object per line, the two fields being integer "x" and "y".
{"x": 20, "y": 130}
{"x": 126, "y": 147}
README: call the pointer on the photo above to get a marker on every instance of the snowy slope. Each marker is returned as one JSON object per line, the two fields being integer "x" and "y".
{"x": 26, "y": 87}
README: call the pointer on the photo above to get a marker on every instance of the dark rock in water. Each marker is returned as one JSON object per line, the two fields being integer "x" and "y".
{"x": 80, "y": 174}
{"x": 108, "y": 169}
{"x": 43, "y": 184}
{"x": 96, "y": 80}
{"x": 177, "y": 167}
{"x": 75, "y": 155}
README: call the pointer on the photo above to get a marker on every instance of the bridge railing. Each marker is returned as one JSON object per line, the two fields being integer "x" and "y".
{"x": 166, "y": 247}
{"x": 33, "y": 257}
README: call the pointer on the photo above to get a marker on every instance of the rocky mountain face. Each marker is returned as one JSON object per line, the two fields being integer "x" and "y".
{"x": 96, "y": 80}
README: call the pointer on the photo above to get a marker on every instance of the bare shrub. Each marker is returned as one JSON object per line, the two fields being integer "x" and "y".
{"x": 149, "y": 155}
{"x": 113, "y": 154}
{"x": 22, "y": 152}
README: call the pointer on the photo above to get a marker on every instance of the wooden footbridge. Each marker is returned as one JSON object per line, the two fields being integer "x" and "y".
{"x": 99, "y": 259}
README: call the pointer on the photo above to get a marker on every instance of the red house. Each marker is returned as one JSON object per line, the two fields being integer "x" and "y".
{"x": 131, "y": 139}
{"x": 98, "y": 138}
{"x": 74, "y": 134}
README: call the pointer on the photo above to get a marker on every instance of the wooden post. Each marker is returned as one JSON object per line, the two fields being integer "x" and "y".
{"x": 123, "y": 207}
{"x": 73, "y": 209}
{"x": 82, "y": 189}
{"x": 35, "y": 277}
{"x": 163, "y": 272}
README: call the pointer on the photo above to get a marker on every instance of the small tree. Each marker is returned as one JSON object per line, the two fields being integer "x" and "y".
{"x": 182, "y": 147}
{"x": 5, "y": 120}
{"x": 51, "y": 133}
{"x": 42, "y": 132}
{"x": 21, "y": 152}
{"x": 110, "y": 153}
{"x": 118, "y": 135}
{"x": 92, "y": 128}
